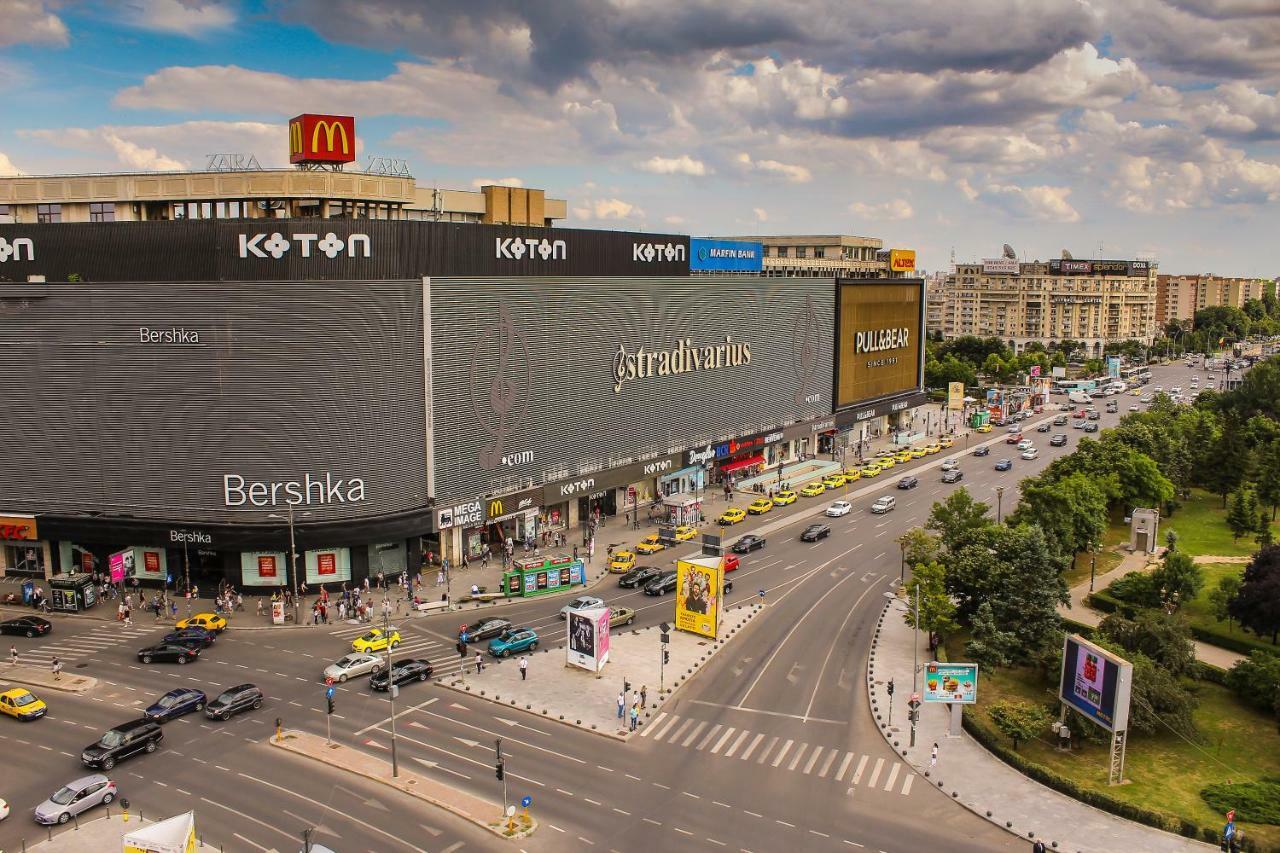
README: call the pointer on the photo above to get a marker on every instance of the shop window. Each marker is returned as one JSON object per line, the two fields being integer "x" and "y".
{"x": 102, "y": 211}
{"x": 6, "y": 215}
{"x": 25, "y": 560}
{"x": 48, "y": 213}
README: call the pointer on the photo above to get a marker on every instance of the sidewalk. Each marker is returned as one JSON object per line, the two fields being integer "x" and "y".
{"x": 100, "y": 829}
{"x": 1136, "y": 561}
{"x": 983, "y": 783}
{"x": 30, "y": 676}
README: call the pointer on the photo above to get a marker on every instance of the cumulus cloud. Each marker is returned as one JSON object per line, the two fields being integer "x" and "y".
{"x": 184, "y": 17}
{"x": 760, "y": 214}
{"x": 7, "y": 168}
{"x": 892, "y": 210}
{"x": 787, "y": 171}
{"x": 604, "y": 209}
{"x": 174, "y": 146}
{"x": 30, "y": 22}
{"x": 682, "y": 165}
{"x": 497, "y": 182}
{"x": 1040, "y": 203}
{"x": 1206, "y": 38}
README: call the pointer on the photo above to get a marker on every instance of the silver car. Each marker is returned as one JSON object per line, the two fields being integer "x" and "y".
{"x": 76, "y": 797}
{"x": 356, "y": 663}
{"x": 584, "y": 602}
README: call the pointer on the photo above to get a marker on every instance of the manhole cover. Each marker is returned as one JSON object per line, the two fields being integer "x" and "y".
{"x": 81, "y": 665}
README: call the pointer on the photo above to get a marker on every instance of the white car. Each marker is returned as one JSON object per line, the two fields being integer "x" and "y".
{"x": 1176, "y": 389}
{"x": 839, "y": 508}
{"x": 1030, "y": 453}
{"x": 950, "y": 465}
{"x": 884, "y": 504}
{"x": 352, "y": 665}
{"x": 1026, "y": 444}
{"x": 584, "y": 602}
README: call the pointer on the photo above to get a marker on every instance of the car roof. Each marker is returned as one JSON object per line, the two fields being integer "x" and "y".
{"x": 86, "y": 781}
{"x": 132, "y": 724}
{"x": 16, "y": 691}
{"x": 240, "y": 687}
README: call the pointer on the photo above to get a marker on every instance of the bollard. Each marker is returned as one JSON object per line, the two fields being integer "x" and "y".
{"x": 124, "y": 808}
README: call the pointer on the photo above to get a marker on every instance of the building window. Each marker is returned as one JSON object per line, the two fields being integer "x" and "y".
{"x": 48, "y": 213}
{"x": 802, "y": 252}
{"x": 819, "y": 252}
{"x": 102, "y": 211}
{"x": 783, "y": 252}
{"x": 6, "y": 215}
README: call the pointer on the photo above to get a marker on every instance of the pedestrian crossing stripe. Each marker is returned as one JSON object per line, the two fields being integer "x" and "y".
{"x": 823, "y": 762}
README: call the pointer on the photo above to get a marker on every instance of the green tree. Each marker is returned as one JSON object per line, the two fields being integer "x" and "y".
{"x": 1268, "y": 474}
{"x": 927, "y": 595}
{"x": 1256, "y": 680}
{"x": 957, "y": 519}
{"x": 1262, "y": 530}
{"x": 1178, "y": 579}
{"x": 921, "y": 546}
{"x": 1158, "y": 699}
{"x": 1242, "y": 518}
{"x": 1226, "y": 462}
{"x": 989, "y": 646}
{"x": 1220, "y": 598}
{"x": 1257, "y": 605}
{"x": 1163, "y": 637}
{"x": 1018, "y": 720}
{"x": 1072, "y": 511}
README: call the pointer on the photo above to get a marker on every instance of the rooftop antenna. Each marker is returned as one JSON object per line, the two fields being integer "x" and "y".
{"x": 1009, "y": 253}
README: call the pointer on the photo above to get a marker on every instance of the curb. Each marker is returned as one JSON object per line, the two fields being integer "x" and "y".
{"x": 404, "y": 788}
{"x": 77, "y": 684}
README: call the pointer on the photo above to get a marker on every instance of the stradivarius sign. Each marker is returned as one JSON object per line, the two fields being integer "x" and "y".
{"x": 684, "y": 357}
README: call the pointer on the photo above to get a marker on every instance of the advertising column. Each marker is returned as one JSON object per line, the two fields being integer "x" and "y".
{"x": 699, "y": 588}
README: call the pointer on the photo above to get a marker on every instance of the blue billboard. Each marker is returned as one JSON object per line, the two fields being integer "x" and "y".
{"x": 724, "y": 256}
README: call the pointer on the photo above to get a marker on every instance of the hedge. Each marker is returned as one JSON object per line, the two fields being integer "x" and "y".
{"x": 1108, "y": 603}
{"x": 1236, "y": 644}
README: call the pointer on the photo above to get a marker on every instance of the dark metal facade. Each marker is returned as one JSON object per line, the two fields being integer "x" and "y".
{"x": 536, "y": 380}
{"x": 134, "y": 400}
{"x": 326, "y": 249}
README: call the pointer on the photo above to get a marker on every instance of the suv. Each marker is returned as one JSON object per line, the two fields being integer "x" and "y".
{"x": 121, "y": 742}
{"x": 234, "y": 700}
{"x": 884, "y": 504}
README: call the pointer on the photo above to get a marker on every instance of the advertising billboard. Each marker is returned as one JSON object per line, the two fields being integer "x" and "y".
{"x": 315, "y": 138}
{"x": 541, "y": 575}
{"x": 1096, "y": 683}
{"x": 902, "y": 260}
{"x": 1113, "y": 366}
{"x": 264, "y": 568}
{"x": 699, "y": 587}
{"x": 951, "y": 682}
{"x": 588, "y": 645}
{"x": 120, "y": 565}
{"x": 955, "y": 396}
{"x": 880, "y": 339}
{"x": 1000, "y": 266}
{"x": 725, "y": 255}
{"x": 327, "y": 565}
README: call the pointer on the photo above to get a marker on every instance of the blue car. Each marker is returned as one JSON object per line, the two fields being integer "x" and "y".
{"x": 193, "y": 637}
{"x": 515, "y": 640}
{"x": 175, "y": 703}
{"x": 1004, "y": 465}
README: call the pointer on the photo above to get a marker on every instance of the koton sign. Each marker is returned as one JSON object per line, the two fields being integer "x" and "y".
{"x": 13, "y": 249}
{"x": 277, "y": 245}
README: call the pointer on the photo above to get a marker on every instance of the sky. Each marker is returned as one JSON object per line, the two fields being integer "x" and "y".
{"x": 1110, "y": 128}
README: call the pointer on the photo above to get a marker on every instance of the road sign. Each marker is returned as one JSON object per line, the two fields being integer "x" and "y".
{"x": 328, "y": 681}
{"x": 526, "y": 801}
{"x": 329, "y": 691}
{"x": 511, "y": 810}
{"x": 1231, "y": 816}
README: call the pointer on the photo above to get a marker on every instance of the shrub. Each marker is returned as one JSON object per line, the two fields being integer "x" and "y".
{"x": 1256, "y": 680}
{"x": 1137, "y": 588}
{"x": 1254, "y": 802}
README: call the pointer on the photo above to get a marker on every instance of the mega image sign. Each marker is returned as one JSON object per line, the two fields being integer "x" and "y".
{"x": 724, "y": 256}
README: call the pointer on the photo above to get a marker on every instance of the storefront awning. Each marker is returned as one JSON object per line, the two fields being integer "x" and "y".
{"x": 745, "y": 462}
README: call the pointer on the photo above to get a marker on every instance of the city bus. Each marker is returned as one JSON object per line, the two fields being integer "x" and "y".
{"x": 1136, "y": 375}
{"x": 1066, "y": 386}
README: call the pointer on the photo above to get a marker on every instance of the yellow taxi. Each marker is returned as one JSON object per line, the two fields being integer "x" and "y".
{"x": 871, "y": 470}
{"x": 208, "y": 621}
{"x": 813, "y": 490}
{"x": 983, "y": 428}
{"x": 916, "y": 452}
{"x": 1137, "y": 392}
{"x": 881, "y": 454}
{"x": 833, "y": 481}
{"x": 760, "y": 506}
{"x": 946, "y": 441}
{"x": 903, "y": 456}
{"x": 933, "y": 448}
{"x": 784, "y": 497}
{"x": 684, "y": 533}
{"x": 650, "y": 544}
{"x": 732, "y": 515}
{"x": 22, "y": 705}
{"x": 852, "y": 475}
{"x": 376, "y": 640}
{"x": 623, "y": 561}
{"x": 887, "y": 462}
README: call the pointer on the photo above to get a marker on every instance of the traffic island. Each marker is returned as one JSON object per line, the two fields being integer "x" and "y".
{"x": 30, "y": 676}
{"x": 483, "y": 813}
{"x": 554, "y": 690}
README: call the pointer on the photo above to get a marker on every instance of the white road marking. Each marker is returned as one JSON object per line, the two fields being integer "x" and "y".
{"x": 826, "y": 765}
{"x": 737, "y": 743}
{"x": 799, "y": 755}
{"x": 765, "y": 752}
{"x": 906, "y": 784}
{"x": 839, "y": 633}
{"x": 752, "y": 746}
{"x": 857, "y": 774}
{"x": 893, "y": 776}
{"x": 694, "y": 734}
{"x": 844, "y": 766}
{"x": 782, "y": 753}
{"x": 720, "y": 743}
{"x": 813, "y": 759}
{"x": 706, "y": 740}
{"x": 650, "y": 728}
{"x": 875, "y": 773}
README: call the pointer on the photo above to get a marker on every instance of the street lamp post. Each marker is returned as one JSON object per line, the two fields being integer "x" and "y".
{"x": 293, "y": 556}
{"x": 999, "y": 504}
{"x": 391, "y": 689}
{"x": 1093, "y": 567}
{"x": 902, "y": 570}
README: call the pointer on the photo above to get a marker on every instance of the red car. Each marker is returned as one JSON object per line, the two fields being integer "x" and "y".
{"x": 1014, "y": 438}
{"x": 1039, "y": 410}
{"x": 731, "y": 563}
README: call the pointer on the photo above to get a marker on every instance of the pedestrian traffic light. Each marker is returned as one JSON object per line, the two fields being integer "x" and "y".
{"x": 666, "y": 657}
{"x": 664, "y": 638}
{"x": 499, "y": 769}
{"x": 329, "y": 699}
{"x": 890, "y": 687}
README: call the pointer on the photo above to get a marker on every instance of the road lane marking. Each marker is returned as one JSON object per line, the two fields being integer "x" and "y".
{"x": 593, "y": 802}
{"x": 682, "y": 831}
{"x": 753, "y": 814}
{"x": 813, "y": 759}
{"x": 720, "y": 743}
{"x": 651, "y": 820}
{"x": 649, "y": 728}
{"x": 875, "y": 773}
{"x": 844, "y": 766}
{"x": 857, "y": 774}
{"x": 769, "y": 713}
{"x": 906, "y": 784}
{"x": 563, "y": 791}
{"x": 658, "y": 733}
{"x": 782, "y": 753}
{"x": 820, "y": 834}
{"x": 765, "y": 752}
{"x": 706, "y": 740}
{"x": 737, "y": 743}
{"x": 675, "y": 737}
{"x": 251, "y": 843}
{"x": 398, "y": 715}
{"x": 826, "y": 765}
{"x": 784, "y": 823}
{"x": 752, "y": 746}
{"x": 293, "y": 839}
{"x": 893, "y": 776}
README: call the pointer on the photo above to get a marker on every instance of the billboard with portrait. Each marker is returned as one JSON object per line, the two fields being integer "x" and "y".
{"x": 955, "y": 396}
{"x": 1096, "y": 683}
{"x": 879, "y": 339}
{"x": 699, "y": 587}
{"x": 588, "y": 645}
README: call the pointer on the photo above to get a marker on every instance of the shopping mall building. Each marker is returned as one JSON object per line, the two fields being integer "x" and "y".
{"x": 192, "y": 394}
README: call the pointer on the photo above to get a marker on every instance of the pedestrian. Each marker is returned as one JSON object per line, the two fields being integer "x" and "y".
{"x": 644, "y": 696}
{"x": 342, "y": 611}
{"x": 13, "y": 656}
{"x": 259, "y": 605}
{"x": 1039, "y": 847}
{"x": 933, "y": 757}
{"x": 173, "y": 608}
{"x": 57, "y": 670}
{"x": 479, "y": 663}
{"x": 622, "y": 704}
{"x": 128, "y": 618}
{"x": 524, "y": 668}
{"x": 635, "y": 717}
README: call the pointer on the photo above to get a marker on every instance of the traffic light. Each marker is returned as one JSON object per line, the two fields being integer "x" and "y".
{"x": 664, "y": 638}
{"x": 499, "y": 769}
{"x": 330, "y": 701}
{"x": 666, "y": 657}
{"x": 890, "y": 687}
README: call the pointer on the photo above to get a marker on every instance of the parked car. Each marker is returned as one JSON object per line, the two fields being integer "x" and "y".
{"x": 75, "y": 797}
{"x": 814, "y": 532}
{"x": 1059, "y": 440}
{"x": 784, "y": 497}
{"x": 235, "y": 700}
{"x": 982, "y": 451}
{"x": 833, "y": 481}
{"x": 662, "y": 584}
{"x": 168, "y": 653}
{"x": 121, "y": 742}
{"x": 733, "y": 515}
{"x": 684, "y": 532}
{"x": 839, "y": 508}
{"x": 624, "y": 561}
{"x": 1004, "y": 464}
{"x": 638, "y": 576}
{"x": 814, "y": 489}
{"x": 908, "y": 483}
{"x": 486, "y": 629}
{"x": 748, "y": 543}
{"x": 884, "y": 504}
{"x": 175, "y": 703}
{"x": 582, "y": 602}
{"x": 198, "y": 638}
{"x": 26, "y": 626}
{"x": 955, "y": 475}
{"x": 403, "y": 672}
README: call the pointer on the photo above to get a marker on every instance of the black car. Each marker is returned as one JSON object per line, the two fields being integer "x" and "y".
{"x": 908, "y": 483}
{"x": 194, "y": 637}
{"x": 1044, "y": 427}
{"x": 814, "y": 532}
{"x": 121, "y": 742}
{"x": 486, "y": 629}
{"x": 999, "y": 422}
{"x": 748, "y": 543}
{"x": 639, "y": 576}
{"x": 1004, "y": 465}
{"x": 26, "y": 626}
{"x": 955, "y": 475}
{"x": 168, "y": 653}
{"x": 234, "y": 700}
{"x": 1059, "y": 440}
{"x": 1060, "y": 420}
{"x": 982, "y": 451}
{"x": 662, "y": 584}
{"x": 1091, "y": 427}
{"x": 402, "y": 672}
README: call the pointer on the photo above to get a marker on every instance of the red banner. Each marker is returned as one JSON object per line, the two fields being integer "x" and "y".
{"x": 326, "y": 564}
{"x": 266, "y": 566}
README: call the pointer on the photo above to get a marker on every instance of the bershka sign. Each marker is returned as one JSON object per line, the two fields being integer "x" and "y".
{"x": 684, "y": 358}
{"x": 277, "y": 245}
{"x": 518, "y": 248}
{"x": 173, "y": 335}
{"x": 652, "y": 252}
{"x": 308, "y": 491}
{"x": 880, "y": 340}
{"x": 13, "y": 249}
{"x": 190, "y": 537}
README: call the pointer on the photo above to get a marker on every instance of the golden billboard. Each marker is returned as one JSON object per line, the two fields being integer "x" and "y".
{"x": 955, "y": 396}
{"x": 902, "y": 260}
{"x": 699, "y": 587}
{"x": 879, "y": 339}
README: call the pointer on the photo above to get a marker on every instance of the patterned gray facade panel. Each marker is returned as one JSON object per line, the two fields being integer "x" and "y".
{"x": 539, "y": 380}
{"x": 140, "y": 399}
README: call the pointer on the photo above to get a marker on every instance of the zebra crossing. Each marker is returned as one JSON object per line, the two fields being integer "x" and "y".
{"x": 95, "y": 640}
{"x": 443, "y": 658}
{"x": 778, "y": 751}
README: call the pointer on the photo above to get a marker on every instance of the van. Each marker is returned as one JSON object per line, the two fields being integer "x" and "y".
{"x": 884, "y": 504}
{"x": 1078, "y": 397}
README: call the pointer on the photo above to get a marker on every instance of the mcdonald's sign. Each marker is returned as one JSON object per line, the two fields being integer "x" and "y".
{"x": 315, "y": 138}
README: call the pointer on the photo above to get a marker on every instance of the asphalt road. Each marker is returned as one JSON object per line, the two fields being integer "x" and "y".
{"x": 770, "y": 747}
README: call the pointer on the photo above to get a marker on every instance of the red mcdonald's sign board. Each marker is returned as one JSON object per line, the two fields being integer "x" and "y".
{"x": 317, "y": 138}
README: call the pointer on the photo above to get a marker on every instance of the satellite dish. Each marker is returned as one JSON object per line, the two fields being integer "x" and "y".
{"x": 1066, "y": 256}
{"x": 1010, "y": 253}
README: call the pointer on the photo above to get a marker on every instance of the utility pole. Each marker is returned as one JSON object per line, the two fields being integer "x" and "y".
{"x": 501, "y": 770}
{"x": 999, "y": 504}
{"x": 391, "y": 691}
{"x": 293, "y": 564}
{"x": 1093, "y": 568}
{"x": 915, "y": 644}
{"x": 902, "y": 571}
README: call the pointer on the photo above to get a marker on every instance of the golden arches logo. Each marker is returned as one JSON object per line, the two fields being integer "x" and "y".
{"x": 331, "y": 129}
{"x": 295, "y": 137}
{"x": 495, "y": 508}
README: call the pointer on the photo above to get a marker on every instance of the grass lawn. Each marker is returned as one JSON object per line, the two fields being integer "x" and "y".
{"x": 1202, "y": 528}
{"x": 1165, "y": 772}
{"x": 1108, "y": 559}
{"x": 1199, "y": 611}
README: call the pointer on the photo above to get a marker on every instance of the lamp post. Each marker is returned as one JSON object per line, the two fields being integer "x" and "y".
{"x": 902, "y": 570}
{"x": 1093, "y": 567}
{"x": 391, "y": 690}
{"x": 999, "y": 504}
{"x": 293, "y": 556}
